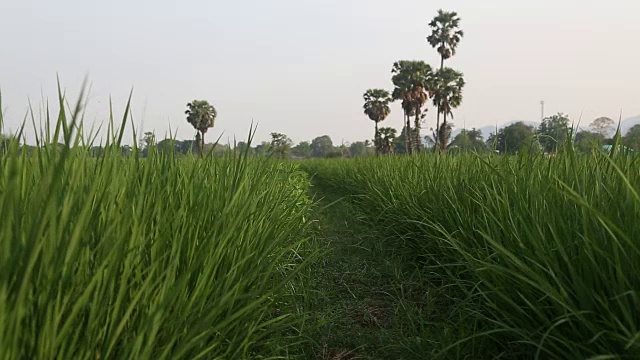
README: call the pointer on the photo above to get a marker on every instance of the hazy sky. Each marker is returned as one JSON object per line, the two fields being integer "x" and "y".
{"x": 301, "y": 66}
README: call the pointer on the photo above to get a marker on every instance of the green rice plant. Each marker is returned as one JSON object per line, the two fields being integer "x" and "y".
{"x": 118, "y": 257}
{"x": 540, "y": 256}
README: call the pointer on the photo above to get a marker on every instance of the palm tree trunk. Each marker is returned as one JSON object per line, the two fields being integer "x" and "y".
{"x": 417, "y": 126}
{"x": 437, "y": 139}
{"x": 444, "y": 133}
{"x": 201, "y": 143}
{"x": 376, "y": 140}
{"x": 408, "y": 134}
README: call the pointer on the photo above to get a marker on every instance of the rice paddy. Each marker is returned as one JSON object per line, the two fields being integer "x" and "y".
{"x": 236, "y": 257}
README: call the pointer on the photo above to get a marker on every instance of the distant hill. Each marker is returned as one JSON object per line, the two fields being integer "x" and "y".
{"x": 625, "y": 125}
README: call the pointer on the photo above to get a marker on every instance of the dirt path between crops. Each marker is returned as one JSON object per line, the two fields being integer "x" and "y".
{"x": 365, "y": 298}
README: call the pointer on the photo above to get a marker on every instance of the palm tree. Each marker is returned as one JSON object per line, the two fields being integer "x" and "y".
{"x": 376, "y": 107}
{"x": 447, "y": 95}
{"x": 387, "y": 139}
{"x": 201, "y": 115}
{"x": 410, "y": 79}
{"x": 445, "y": 34}
{"x": 445, "y": 37}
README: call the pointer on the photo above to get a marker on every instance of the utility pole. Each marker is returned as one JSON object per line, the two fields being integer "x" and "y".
{"x": 542, "y": 110}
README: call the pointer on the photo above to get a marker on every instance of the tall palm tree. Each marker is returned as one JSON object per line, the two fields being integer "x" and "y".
{"x": 410, "y": 79}
{"x": 445, "y": 37}
{"x": 376, "y": 107}
{"x": 201, "y": 115}
{"x": 447, "y": 95}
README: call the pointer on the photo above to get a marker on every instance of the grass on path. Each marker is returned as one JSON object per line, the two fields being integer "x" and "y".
{"x": 368, "y": 300}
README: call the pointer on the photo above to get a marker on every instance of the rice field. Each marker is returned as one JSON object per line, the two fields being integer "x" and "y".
{"x": 118, "y": 257}
{"x": 531, "y": 257}
{"x": 172, "y": 257}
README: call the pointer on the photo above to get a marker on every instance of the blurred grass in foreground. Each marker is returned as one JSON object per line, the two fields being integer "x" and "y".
{"x": 116, "y": 257}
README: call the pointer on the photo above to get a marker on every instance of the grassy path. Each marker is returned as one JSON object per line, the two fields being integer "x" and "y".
{"x": 363, "y": 294}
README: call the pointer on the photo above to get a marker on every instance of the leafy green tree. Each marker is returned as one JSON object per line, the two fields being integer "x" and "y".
{"x": 148, "y": 140}
{"x": 387, "y": 139}
{"x": 263, "y": 148}
{"x": 445, "y": 37}
{"x": 321, "y": 146}
{"x": 513, "y": 138}
{"x": 303, "y": 149}
{"x": 358, "y": 149}
{"x": 553, "y": 132}
{"x": 242, "y": 147}
{"x": 280, "y": 145}
{"x": 469, "y": 140}
{"x": 201, "y": 115}
{"x": 411, "y": 79}
{"x": 376, "y": 107}
{"x": 587, "y": 141}
{"x": 603, "y": 126}
{"x": 447, "y": 95}
{"x": 632, "y": 138}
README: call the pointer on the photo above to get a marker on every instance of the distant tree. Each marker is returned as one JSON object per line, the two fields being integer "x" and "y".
{"x": 201, "y": 115}
{"x": 445, "y": 37}
{"x": 376, "y": 107}
{"x": 445, "y": 34}
{"x": 587, "y": 141}
{"x": 359, "y": 148}
{"x": 447, "y": 95}
{"x": 603, "y": 126}
{"x": 411, "y": 79}
{"x": 513, "y": 138}
{"x": 148, "y": 140}
{"x": 469, "y": 140}
{"x": 242, "y": 147}
{"x": 321, "y": 146}
{"x": 280, "y": 145}
{"x": 553, "y": 132}
{"x": 303, "y": 149}
{"x": 632, "y": 139}
{"x": 387, "y": 139}
{"x": 263, "y": 148}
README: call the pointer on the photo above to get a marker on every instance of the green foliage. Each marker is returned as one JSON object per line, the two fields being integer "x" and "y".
{"x": 553, "y": 133}
{"x": 303, "y": 149}
{"x": 376, "y": 107}
{"x": 587, "y": 141}
{"x": 358, "y": 149}
{"x": 469, "y": 141}
{"x": 447, "y": 95}
{"x": 163, "y": 258}
{"x": 201, "y": 115}
{"x": 537, "y": 257}
{"x": 280, "y": 145}
{"x": 411, "y": 80}
{"x": 321, "y": 146}
{"x": 445, "y": 34}
{"x": 387, "y": 140}
{"x": 513, "y": 139}
{"x": 632, "y": 138}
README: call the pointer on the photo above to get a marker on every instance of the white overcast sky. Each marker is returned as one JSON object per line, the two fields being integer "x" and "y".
{"x": 301, "y": 66}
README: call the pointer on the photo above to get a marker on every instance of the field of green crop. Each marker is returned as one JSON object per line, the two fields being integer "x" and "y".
{"x": 157, "y": 258}
{"x": 531, "y": 257}
{"x": 437, "y": 256}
